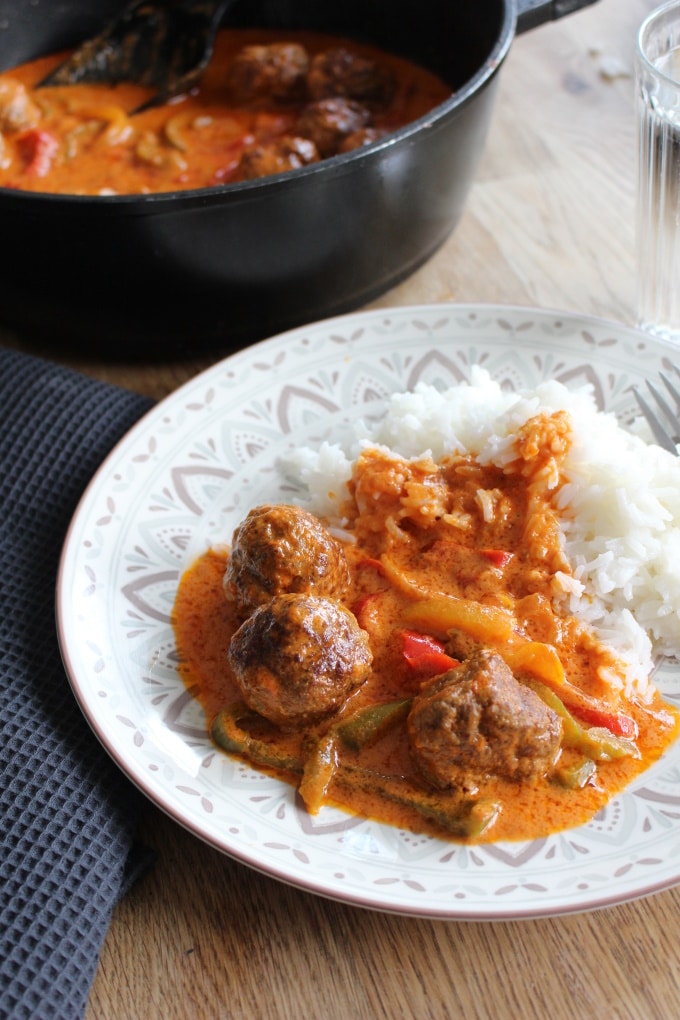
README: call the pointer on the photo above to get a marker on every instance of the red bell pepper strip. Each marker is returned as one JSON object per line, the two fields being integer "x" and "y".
{"x": 365, "y": 610}
{"x": 497, "y": 557}
{"x": 38, "y": 149}
{"x": 620, "y": 725}
{"x": 425, "y": 654}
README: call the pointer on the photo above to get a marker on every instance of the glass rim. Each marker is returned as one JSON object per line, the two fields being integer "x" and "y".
{"x": 653, "y": 16}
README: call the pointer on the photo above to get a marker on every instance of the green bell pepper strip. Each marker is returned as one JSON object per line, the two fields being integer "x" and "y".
{"x": 363, "y": 728}
{"x": 229, "y": 735}
{"x": 464, "y": 818}
{"x": 597, "y": 742}
{"x": 460, "y": 816}
{"x": 369, "y": 725}
{"x": 576, "y": 776}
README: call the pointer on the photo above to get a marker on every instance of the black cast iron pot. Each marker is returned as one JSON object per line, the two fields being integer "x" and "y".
{"x": 211, "y": 270}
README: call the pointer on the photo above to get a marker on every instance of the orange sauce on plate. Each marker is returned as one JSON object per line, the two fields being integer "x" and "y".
{"x": 486, "y": 539}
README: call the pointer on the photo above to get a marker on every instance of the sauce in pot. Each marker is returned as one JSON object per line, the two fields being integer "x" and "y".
{"x": 265, "y": 104}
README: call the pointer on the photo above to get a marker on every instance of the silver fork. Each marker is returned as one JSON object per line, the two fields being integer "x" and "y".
{"x": 665, "y": 423}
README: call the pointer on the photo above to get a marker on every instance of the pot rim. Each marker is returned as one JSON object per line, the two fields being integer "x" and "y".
{"x": 329, "y": 167}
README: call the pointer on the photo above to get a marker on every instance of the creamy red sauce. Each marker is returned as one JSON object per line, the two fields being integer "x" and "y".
{"x": 468, "y": 555}
{"x": 86, "y": 139}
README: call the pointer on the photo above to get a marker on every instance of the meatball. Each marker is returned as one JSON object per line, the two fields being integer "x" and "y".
{"x": 338, "y": 72}
{"x": 329, "y": 121}
{"x": 478, "y": 720}
{"x": 288, "y": 153}
{"x": 277, "y": 71}
{"x": 297, "y": 658}
{"x": 364, "y": 136}
{"x": 279, "y": 549}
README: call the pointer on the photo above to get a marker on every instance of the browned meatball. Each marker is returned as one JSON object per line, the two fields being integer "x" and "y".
{"x": 478, "y": 720}
{"x": 338, "y": 72}
{"x": 276, "y": 71}
{"x": 329, "y": 121}
{"x": 360, "y": 138}
{"x": 279, "y": 549}
{"x": 288, "y": 153}
{"x": 298, "y": 657}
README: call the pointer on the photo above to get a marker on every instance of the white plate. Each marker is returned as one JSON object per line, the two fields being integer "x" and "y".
{"x": 189, "y": 471}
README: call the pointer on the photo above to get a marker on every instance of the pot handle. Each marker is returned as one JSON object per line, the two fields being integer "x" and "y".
{"x": 531, "y": 13}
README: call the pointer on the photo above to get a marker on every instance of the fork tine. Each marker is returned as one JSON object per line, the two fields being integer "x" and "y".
{"x": 662, "y": 437}
{"x": 664, "y": 407}
{"x": 673, "y": 390}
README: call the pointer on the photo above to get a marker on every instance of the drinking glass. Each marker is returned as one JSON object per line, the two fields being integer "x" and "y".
{"x": 658, "y": 197}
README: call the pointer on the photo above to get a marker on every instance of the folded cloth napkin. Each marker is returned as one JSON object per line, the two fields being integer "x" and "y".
{"x": 67, "y": 814}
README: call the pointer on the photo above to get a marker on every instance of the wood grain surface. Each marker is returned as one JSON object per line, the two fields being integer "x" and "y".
{"x": 550, "y": 223}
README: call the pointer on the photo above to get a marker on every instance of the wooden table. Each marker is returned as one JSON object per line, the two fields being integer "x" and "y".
{"x": 550, "y": 222}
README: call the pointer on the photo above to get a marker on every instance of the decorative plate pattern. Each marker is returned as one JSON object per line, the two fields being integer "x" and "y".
{"x": 183, "y": 478}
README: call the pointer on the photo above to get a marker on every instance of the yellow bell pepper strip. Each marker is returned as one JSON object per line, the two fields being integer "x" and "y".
{"x": 425, "y": 655}
{"x": 445, "y": 612}
{"x": 441, "y": 613}
{"x": 174, "y": 130}
{"x": 537, "y": 659}
{"x": 118, "y": 126}
{"x": 493, "y": 626}
{"x": 320, "y": 767}
{"x": 490, "y": 626}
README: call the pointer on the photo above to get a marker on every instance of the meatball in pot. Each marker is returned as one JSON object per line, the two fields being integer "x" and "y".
{"x": 279, "y": 549}
{"x": 297, "y": 658}
{"x": 287, "y": 153}
{"x": 328, "y": 122}
{"x": 477, "y": 721}
{"x": 339, "y": 72}
{"x": 276, "y": 71}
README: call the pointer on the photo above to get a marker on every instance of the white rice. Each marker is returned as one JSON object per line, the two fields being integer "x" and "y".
{"x": 620, "y": 503}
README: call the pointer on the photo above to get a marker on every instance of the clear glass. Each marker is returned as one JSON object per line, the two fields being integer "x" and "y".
{"x": 658, "y": 198}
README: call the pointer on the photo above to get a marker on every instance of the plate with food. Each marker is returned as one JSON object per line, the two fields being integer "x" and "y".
{"x": 385, "y": 607}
